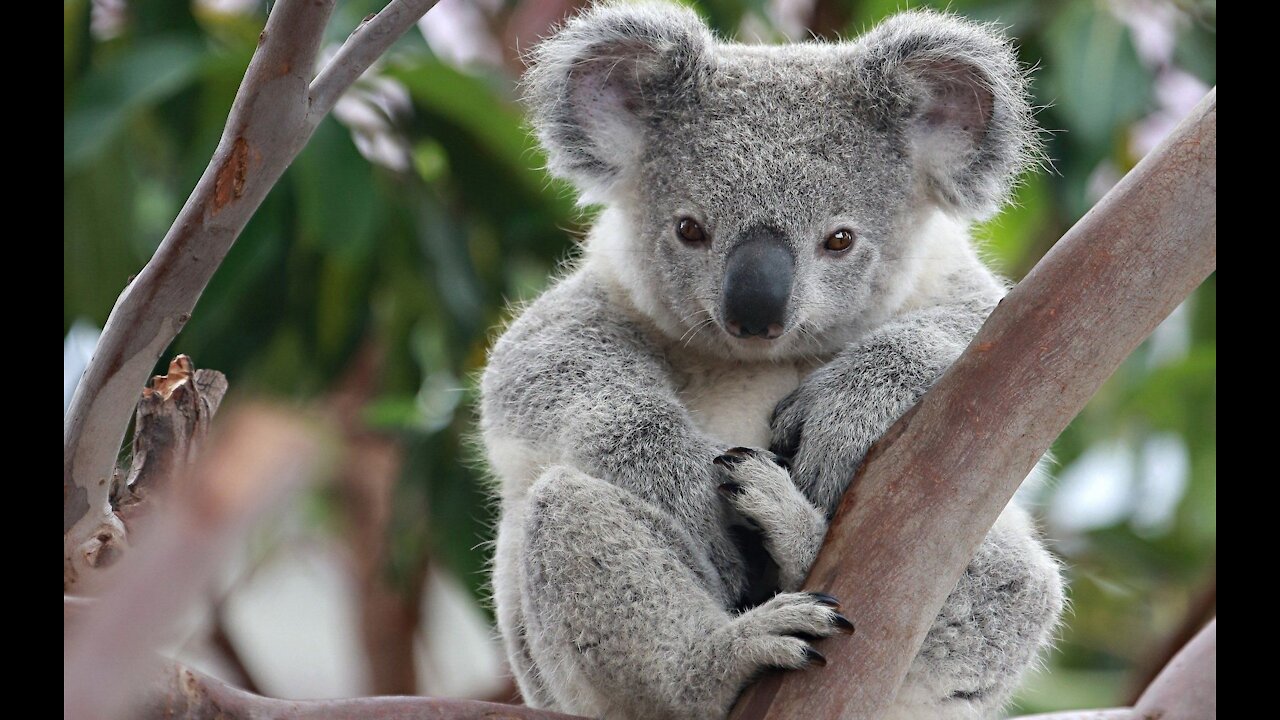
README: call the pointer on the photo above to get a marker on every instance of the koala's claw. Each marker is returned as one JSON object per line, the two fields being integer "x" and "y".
{"x": 735, "y": 455}
{"x": 841, "y": 622}
{"x": 844, "y": 623}
{"x": 730, "y": 488}
{"x": 814, "y": 657}
{"x": 825, "y": 599}
{"x": 778, "y": 633}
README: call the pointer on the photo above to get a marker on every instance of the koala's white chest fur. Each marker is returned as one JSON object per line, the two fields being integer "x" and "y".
{"x": 733, "y": 402}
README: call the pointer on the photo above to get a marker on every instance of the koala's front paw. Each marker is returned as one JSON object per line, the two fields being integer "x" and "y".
{"x": 828, "y": 423}
{"x": 777, "y": 634}
{"x": 825, "y": 432}
{"x": 757, "y": 485}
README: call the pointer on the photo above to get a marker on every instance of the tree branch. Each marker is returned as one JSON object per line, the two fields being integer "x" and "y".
{"x": 179, "y": 691}
{"x": 270, "y": 122}
{"x": 389, "y": 610}
{"x": 929, "y": 491}
{"x": 1187, "y": 688}
{"x": 172, "y": 420}
{"x": 366, "y": 44}
{"x": 1202, "y": 608}
{"x": 259, "y": 456}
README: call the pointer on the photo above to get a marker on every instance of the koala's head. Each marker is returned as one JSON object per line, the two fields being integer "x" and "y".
{"x": 767, "y": 199}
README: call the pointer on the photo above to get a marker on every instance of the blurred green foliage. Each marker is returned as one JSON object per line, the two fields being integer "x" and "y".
{"x": 422, "y": 260}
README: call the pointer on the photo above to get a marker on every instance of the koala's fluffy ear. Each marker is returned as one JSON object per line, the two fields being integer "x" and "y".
{"x": 960, "y": 95}
{"x": 593, "y": 84}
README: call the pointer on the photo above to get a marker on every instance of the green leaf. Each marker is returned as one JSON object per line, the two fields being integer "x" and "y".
{"x": 337, "y": 198}
{"x": 471, "y": 105}
{"x": 125, "y": 85}
{"x": 1093, "y": 74}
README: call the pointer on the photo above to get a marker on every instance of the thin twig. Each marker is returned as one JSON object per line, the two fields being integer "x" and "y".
{"x": 365, "y": 45}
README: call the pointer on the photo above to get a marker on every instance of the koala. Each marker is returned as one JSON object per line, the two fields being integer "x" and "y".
{"x": 781, "y": 267}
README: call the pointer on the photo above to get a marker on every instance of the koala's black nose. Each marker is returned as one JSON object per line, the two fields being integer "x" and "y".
{"x": 757, "y": 284}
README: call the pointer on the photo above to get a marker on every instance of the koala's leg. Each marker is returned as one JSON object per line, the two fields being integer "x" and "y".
{"x": 618, "y": 618}
{"x": 1001, "y": 613}
{"x": 508, "y": 591}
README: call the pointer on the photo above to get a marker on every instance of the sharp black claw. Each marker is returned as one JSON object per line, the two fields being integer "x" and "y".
{"x": 825, "y": 599}
{"x": 842, "y": 622}
{"x": 814, "y": 657}
{"x": 730, "y": 488}
{"x": 727, "y": 461}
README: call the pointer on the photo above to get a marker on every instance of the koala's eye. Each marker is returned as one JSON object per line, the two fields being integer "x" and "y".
{"x": 690, "y": 231}
{"x": 839, "y": 241}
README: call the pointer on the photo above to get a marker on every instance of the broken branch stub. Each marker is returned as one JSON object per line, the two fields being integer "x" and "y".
{"x": 172, "y": 420}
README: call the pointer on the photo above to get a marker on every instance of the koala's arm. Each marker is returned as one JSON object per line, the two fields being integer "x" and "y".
{"x": 827, "y": 424}
{"x": 573, "y": 382}
{"x": 1006, "y": 604}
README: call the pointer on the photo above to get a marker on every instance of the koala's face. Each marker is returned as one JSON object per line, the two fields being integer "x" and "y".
{"x": 769, "y": 196}
{"x": 767, "y": 210}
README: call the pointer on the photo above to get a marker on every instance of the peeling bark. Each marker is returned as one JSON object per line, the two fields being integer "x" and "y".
{"x": 172, "y": 419}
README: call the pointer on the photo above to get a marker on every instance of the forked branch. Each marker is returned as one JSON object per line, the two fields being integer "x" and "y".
{"x": 276, "y": 110}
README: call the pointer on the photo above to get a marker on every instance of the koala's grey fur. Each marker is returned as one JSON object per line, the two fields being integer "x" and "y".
{"x": 636, "y": 560}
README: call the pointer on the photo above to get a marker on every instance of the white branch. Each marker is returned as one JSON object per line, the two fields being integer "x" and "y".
{"x": 366, "y": 44}
{"x": 271, "y": 120}
{"x": 1187, "y": 688}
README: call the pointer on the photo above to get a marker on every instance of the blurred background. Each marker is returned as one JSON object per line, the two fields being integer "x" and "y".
{"x": 369, "y": 284}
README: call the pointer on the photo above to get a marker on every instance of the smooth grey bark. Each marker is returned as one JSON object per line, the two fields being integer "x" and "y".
{"x": 277, "y": 108}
